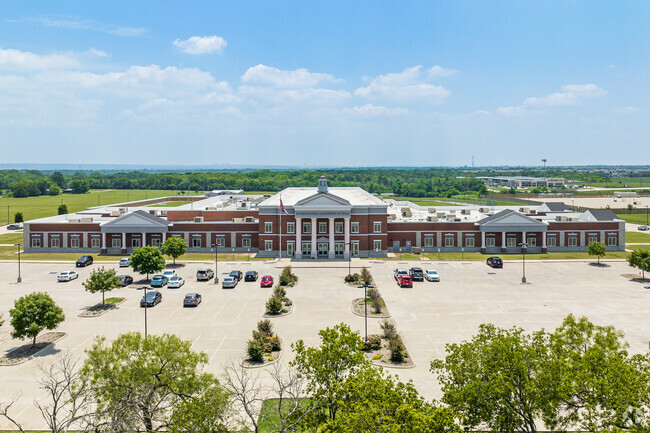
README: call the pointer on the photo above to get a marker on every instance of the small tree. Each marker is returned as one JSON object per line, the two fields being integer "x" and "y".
{"x": 174, "y": 247}
{"x": 375, "y": 297}
{"x": 640, "y": 259}
{"x": 57, "y": 178}
{"x": 597, "y": 249}
{"x": 63, "y": 209}
{"x": 79, "y": 186}
{"x": 255, "y": 350}
{"x": 32, "y": 313}
{"x": 274, "y": 305}
{"x": 18, "y": 217}
{"x": 147, "y": 260}
{"x": 102, "y": 280}
{"x": 54, "y": 189}
{"x": 367, "y": 277}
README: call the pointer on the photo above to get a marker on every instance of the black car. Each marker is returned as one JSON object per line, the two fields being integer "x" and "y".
{"x": 192, "y": 300}
{"x": 494, "y": 262}
{"x": 237, "y": 275}
{"x": 84, "y": 261}
{"x": 152, "y": 298}
{"x": 250, "y": 276}
{"x": 125, "y": 280}
{"x": 416, "y": 274}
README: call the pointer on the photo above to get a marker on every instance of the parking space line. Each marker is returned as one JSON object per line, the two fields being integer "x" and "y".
{"x": 434, "y": 344}
{"x": 413, "y": 316}
{"x": 242, "y": 308}
{"x": 219, "y": 310}
{"x": 197, "y": 339}
{"x": 80, "y": 344}
{"x": 218, "y": 347}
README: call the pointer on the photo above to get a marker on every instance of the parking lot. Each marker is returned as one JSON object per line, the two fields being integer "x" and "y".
{"x": 428, "y": 316}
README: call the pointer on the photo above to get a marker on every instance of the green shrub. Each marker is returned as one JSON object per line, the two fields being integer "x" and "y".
{"x": 366, "y": 277}
{"x": 255, "y": 351}
{"x": 287, "y": 278}
{"x": 279, "y": 292}
{"x": 397, "y": 351}
{"x": 388, "y": 327}
{"x": 274, "y": 305}
{"x": 274, "y": 342}
{"x": 373, "y": 343}
{"x": 265, "y": 327}
{"x": 376, "y": 356}
{"x": 377, "y": 302}
{"x": 287, "y": 302}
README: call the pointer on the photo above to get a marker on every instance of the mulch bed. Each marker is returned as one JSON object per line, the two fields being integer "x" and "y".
{"x": 359, "y": 309}
{"x": 99, "y": 309}
{"x": 276, "y": 354}
{"x": 26, "y": 351}
{"x": 289, "y": 309}
{"x": 600, "y": 265}
{"x": 385, "y": 361}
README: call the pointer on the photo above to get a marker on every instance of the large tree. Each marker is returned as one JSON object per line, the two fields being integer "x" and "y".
{"x": 174, "y": 247}
{"x": 140, "y": 383}
{"x": 58, "y": 179}
{"x": 147, "y": 260}
{"x": 640, "y": 259}
{"x": 328, "y": 365}
{"x": 79, "y": 186}
{"x": 102, "y": 280}
{"x": 32, "y": 313}
{"x": 597, "y": 249}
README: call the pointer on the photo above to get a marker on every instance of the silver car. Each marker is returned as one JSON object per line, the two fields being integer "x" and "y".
{"x": 431, "y": 275}
{"x": 229, "y": 283}
{"x": 67, "y": 276}
{"x": 125, "y": 262}
{"x": 175, "y": 282}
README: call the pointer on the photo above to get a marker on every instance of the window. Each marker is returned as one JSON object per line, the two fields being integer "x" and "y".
{"x": 268, "y": 227}
{"x": 490, "y": 242}
{"x": 322, "y": 227}
{"x": 338, "y": 227}
{"x": 551, "y": 241}
{"x": 428, "y": 241}
{"x": 377, "y": 245}
{"x": 511, "y": 241}
{"x": 469, "y": 241}
{"x": 74, "y": 241}
{"x": 135, "y": 242}
{"x": 36, "y": 241}
{"x": 531, "y": 241}
{"x": 55, "y": 242}
{"x": 449, "y": 240}
{"x": 268, "y": 245}
{"x": 291, "y": 227}
{"x": 246, "y": 242}
{"x": 306, "y": 227}
{"x": 95, "y": 242}
{"x": 155, "y": 241}
{"x": 377, "y": 227}
{"x": 592, "y": 237}
{"x": 573, "y": 240}
{"x": 196, "y": 241}
{"x": 116, "y": 242}
{"x": 355, "y": 227}
{"x": 612, "y": 240}
{"x": 355, "y": 248}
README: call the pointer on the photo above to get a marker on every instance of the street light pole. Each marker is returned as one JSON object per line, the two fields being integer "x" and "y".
{"x": 19, "y": 277}
{"x": 524, "y": 246}
{"x": 646, "y": 214}
{"x": 145, "y": 312}
{"x": 216, "y": 263}
{"x": 365, "y": 304}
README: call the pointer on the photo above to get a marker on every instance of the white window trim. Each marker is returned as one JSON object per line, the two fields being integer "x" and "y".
{"x": 268, "y": 245}
{"x": 338, "y": 227}
{"x": 490, "y": 241}
{"x": 36, "y": 242}
{"x": 291, "y": 227}
{"x": 374, "y": 226}
{"x": 245, "y": 242}
{"x": 116, "y": 241}
{"x": 354, "y": 227}
{"x": 55, "y": 241}
{"x": 469, "y": 241}
{"x": 194, "y": 239}
{"x": 306, "y": 227}
{"x": 292, "y": 250}
{"x": 376, "y": 244}
{"x": 94, "y": 239}
{"x": 322, "y": 227}
{"x": 74, "y": 239}
{"x": 428, "y": 242}
{"x": 612, "y": 240}
{"x": 220, "y": 242}
{"x": 511, "y": 242}
{"x": 268, "y": 227}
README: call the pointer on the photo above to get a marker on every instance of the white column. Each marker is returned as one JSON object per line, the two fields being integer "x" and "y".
{"x": 543, "y": 239}
{"x": 346, "y": 231}
{"x": 164, "y": 236}
{"x": 123, "y": 240}
{"x": 103, "y": 241}
{"x": 503, "y": 239}
{"x": 45, "y": 240}
{"x": 298, "y": 251}
{"x": 144, "y": 240}
{"x": 523, "y": 238}
{"x": 331, "y": 243}
{"x": 483, "y": 240}
{"x": 64, "y": 240}
{"x": 314, "y": 249}
{"x": 85, "y": 240}
{"x": 582, "y": 238}
{"x": 561, "y": 240}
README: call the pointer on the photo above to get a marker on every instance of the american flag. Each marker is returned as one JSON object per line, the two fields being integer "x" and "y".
{"x": 282, "y": 207}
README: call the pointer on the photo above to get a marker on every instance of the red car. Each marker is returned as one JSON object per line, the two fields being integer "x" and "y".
{"x": 266, "y": 281}
{"x": 404, "y": 281}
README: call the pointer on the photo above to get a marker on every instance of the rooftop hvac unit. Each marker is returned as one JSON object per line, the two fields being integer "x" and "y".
{"x": 152, "y": 212}
{"x": 533, "y": 212}
{"x": 524, "y": 210}
{"x": 432, "y": 218}
{"x": 211, "y": 208}
{"x": 198, "y": 219}
{"x": 115, "y": 213}
{"x": 163, "y": 213}
{"x": 432, "y": 210}
{"x": 560, "y": 218}
{"x": 87, "y": 220}
{"x": 456, "y": 220}
{"x": 440, "y": 214}
{"x": 250, "y": 219}
{"x": 484, "y": 209}
{"x": 465, "y": 211}
{"x": 74, "y": 220}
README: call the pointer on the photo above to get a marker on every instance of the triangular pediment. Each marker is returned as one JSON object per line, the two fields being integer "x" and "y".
{"x": 323, "y": 200}
{"x": 511, "y": 218}
{"x": 138, "y": 218}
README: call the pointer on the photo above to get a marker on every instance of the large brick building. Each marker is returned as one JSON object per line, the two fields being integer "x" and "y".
{"x": 327, "y": 223}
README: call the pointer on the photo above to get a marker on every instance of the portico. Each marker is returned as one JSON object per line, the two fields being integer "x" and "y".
{"x": 133, "y": 230}
{"x": 515, "y": 232}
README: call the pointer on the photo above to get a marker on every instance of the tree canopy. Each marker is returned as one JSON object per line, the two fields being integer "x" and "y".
{"x": 174, "y": 247}
{"x": 597, "y": 249}
{"x": 102, "y": 280}
{"x": 640, "y": 259}
{"x": 147, "y": 260}
{"x": 32, "y": 313}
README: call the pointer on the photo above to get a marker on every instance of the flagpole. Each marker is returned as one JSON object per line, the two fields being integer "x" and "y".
{"x": 280, "y": 246}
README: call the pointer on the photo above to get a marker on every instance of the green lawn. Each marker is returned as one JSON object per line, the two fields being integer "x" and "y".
{"x": 270, "y": 414}
{"x": 635, "y": 218}
{"x": 619, "y": 182}
{"x": 637, "y": 237}
{"x": 638, "y": 247}
{"x": 175, "y": 203}
{"x": 44, "y": 206}
{"x": 505, "y": 257}
{"x": 12, "y": 238}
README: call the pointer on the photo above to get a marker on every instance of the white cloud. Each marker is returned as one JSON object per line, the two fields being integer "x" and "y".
{"x": 584, "y": 89}
{"x": 627, "y": 110}
{"x": 370, "y": 110}
{"x": 298, "y": 78}
{"x": 511, "y": 111}
{"x": 294, "y": 95}
{"x": 570, "y": 96}
{"x": 97, "y": 53}
{"x": 25, "y": 60}
{"x": 77, "y": 23}
{"x": 552, "y": 100}
{"x": 410, "y": 84}
{"x": 439, "y": 71}
{"x": 201, "y": 44}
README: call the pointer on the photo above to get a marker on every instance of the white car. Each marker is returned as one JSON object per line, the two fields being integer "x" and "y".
{"x": 175, "y": 282}
{"x": 169, "y": 273}
{"x": 125, "y": 262}
{"x": 431, "y": 275}
{"x": 229, "y": 283}
{"x": 67, "y": 276}
{"x": 400, "y": 271}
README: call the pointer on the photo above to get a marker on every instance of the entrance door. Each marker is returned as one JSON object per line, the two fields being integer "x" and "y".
{"x": 290, "y": 248}
{"x": 338, "y": 248}
{"x": 355, "y": 249}
{"x": 306, "y": 248}
{"x": 322, "y": 249}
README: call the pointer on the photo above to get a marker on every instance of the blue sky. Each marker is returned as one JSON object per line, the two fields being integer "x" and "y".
{"x": 337, "y": 83}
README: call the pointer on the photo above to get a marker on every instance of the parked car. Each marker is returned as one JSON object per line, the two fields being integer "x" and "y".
{"x": 175, "y": 282}
{"x": 431, "y": 275}
{"x": 125, "y": 262}
{"x": 400, "y": 271}
{"x": 151, "y": 299}
{"x": 416, "y": 274}
{"x": 267, "y": 281}
{"x": 204, "y": 274}
{"x": 84, "y": 261}
{"x": 494, "y": 262}
{"x": 158, "y": 281}
{"x": 644, "y": 228}
{"x": 67, "y": 276}
{"x": 125, "y": 280}
{"x": 192, "y": 300}
{"x": 14, "y": 227}
{"x": 169, "y": 273}
{"x": 229, "y": 283}
{"x": 237, "y": 275}
{"x": 250, "y": 276}
{"x": 404, "y": 281}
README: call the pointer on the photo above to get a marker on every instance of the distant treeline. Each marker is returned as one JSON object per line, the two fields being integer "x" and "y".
{"x": 415, "y": 182}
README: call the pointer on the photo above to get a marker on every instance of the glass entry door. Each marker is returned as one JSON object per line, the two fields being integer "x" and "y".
{"x": 355, "y": 249}
{"x": 322, "y": 249}
{"x": 306, "y": 248}
{"x": 339, "y": 248}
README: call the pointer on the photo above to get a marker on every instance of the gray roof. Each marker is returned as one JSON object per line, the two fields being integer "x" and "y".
{"x": 556, "y": 206}
{"x": 603, "y": 214}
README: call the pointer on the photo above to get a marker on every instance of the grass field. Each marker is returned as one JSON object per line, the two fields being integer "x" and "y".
{"x": 269, "y": 414}
{"x": 505, "y": 257}
{"x": 44, "y": 206}
{"x": 637, "y": 218}
{"x": 175, "y": 203}
{"x": 11, "y": 238}
{"x": 635, "y": 238}
{"x": 619, "y": 182}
